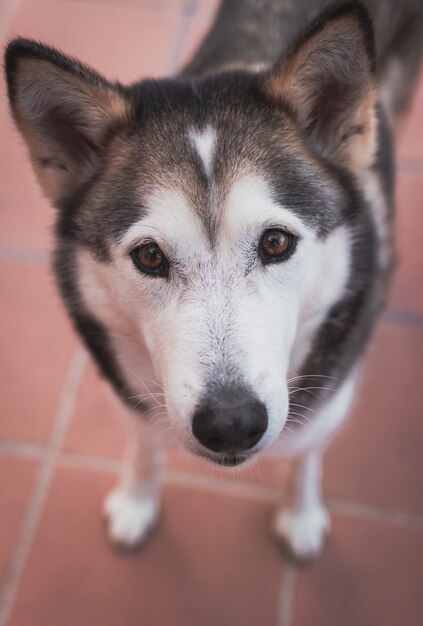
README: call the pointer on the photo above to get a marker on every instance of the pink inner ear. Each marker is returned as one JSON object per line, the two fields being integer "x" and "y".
{"x": 332, "y": 100}
{"x": 61, "y": 127}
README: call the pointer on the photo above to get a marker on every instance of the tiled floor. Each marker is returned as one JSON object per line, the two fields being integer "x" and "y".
{"x": 212, "y": 561}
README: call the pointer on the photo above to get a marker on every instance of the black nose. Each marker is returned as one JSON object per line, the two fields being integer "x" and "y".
{"x": 230, "y": 422}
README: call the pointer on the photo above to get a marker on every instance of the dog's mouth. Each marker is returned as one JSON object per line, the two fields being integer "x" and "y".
{"x": 227, "y": 460}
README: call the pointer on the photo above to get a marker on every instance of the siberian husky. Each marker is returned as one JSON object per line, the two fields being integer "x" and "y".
{"x": 235, "y": 222}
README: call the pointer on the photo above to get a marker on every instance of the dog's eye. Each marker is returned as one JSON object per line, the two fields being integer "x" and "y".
{"x": 150, "y": 259}
{"x": 276, "y": 245}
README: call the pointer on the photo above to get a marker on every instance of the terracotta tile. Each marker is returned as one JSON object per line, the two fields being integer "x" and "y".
{"x": 203, "y": 20}
{"x": 188, "y": 574}
{"x": 99, "y": 423}
{"x": 370, "y": 574}
{"x": 377, "y": 458}
{"x": 96, "y": 427}
{"x": 141, "y": 38}
{"x": 26, "y": 218}
{"x": 406, "y": 291}
{"x": 411, "y": 139}
{"x": 37, "y": 344}
{"x": 17, "y": 478}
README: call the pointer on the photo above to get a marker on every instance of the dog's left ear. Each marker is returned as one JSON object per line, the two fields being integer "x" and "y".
{"x": 327, "y": 79}
{"x": 65, "y": 112}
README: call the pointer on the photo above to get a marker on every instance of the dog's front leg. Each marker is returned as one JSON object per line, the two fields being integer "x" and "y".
{"x": 304, "y": 522}
{"x": 132, "y": 507}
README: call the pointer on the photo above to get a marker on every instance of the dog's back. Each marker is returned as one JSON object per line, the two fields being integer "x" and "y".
{"x": 252, "y": 33}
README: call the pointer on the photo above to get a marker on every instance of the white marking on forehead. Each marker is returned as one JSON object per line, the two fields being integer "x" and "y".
{"x": 204, "y": 142}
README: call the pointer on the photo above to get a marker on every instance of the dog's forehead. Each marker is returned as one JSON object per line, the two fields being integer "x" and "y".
{"x": 199, "y": 154}
{"x": 206, "y": 150}
{"x": 227, "y": 179}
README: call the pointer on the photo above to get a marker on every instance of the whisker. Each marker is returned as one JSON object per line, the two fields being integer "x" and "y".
{"x": 300, "y": 415}
{"x": 155, "y": 383}
{"x": 318, "y": 387}
{"x": 294, "y": 421}
{"x": 162, "y": 432}
{"x": 145, "y": 384}
{"x": 301, "y": 406}
{"x": 153, "y": 418}
{"x": 155, "y": 408}
{"x": 163, "y": 418}
{"x": 144, "y": 395}
{"x": 297, "y": 389}
{"x": 144, "y": 398}
{"x": 290, "y": 380}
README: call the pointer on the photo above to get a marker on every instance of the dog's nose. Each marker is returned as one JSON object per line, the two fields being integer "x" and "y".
{"x": 226, "y": 424}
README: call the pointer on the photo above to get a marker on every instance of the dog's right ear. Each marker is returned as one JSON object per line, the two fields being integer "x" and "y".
{"x": 64, "y": 110}
{"x": 327, "y": 79}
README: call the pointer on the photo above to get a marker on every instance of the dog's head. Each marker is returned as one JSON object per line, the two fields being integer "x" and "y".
{"x": 209, "y": 219}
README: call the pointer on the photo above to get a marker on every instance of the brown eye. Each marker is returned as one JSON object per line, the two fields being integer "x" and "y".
{"x": 150, "y": 259}
{"x": 276, "y": 245}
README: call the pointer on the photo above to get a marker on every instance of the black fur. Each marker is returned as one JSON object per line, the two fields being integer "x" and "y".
{"x": 91, "y": 331}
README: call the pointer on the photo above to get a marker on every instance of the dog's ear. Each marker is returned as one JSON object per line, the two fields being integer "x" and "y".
{"x": 327, "y": 79}
{"x": 65, "y": 112}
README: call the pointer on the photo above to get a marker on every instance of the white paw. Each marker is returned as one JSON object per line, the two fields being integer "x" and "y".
{"x": 303, "y": 531}
{"x": 130, "y": 519}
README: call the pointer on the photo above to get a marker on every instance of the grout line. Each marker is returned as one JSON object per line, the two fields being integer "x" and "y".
{"x": 8, "y": 11}
{"x": 177, "y": 477}
{"x": 177, "y": 47}
{"x": 83, "y": 461}
{"x": 156, "y": 6}
{"x": 12, "y": 447}
{"x": 373, "y": 513}
{"x": 40, "y": 492}
{"x": 403, "y": 318}
{"x": 287, "y": 595}
{"x": 173, "y": 476}
{"x": 223, "y": 486}
{"x": 410, "y": 165}
{"x": 16, "y": 253}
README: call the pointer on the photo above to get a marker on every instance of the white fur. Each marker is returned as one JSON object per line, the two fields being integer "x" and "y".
{"x": 204, "y": 142}
{"x": 259, "y": 325}
{"x": 130, "y": 518}
{"x": 304, "y": 531}
{"x": 303, "y": 523}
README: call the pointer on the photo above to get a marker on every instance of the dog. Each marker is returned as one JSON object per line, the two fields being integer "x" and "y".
{"x": 234, "y": 222}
